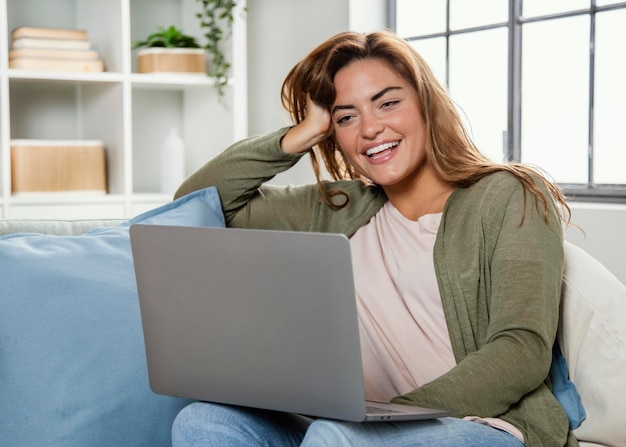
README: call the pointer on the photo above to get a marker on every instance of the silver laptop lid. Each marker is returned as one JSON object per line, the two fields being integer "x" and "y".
{"x": 258, "y": 318}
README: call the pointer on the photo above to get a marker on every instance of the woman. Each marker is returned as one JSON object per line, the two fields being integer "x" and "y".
{"x": 457, "y": 259}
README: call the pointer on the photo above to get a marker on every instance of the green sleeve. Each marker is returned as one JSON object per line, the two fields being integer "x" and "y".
{"x": 240, "y": 174}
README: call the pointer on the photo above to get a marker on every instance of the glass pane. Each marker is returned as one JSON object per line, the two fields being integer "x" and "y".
{"x": 434, "y": 52}
{"x": 420, "y": 17}
{"x": 471, "y": 13}
{"x": 610, "y": 99}
{"x": 533, "y": 8}
{"x": 555, "y": 97}
{"x": 481, "y": 94}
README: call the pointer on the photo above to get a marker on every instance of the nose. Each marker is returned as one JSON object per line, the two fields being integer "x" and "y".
{"x": 371, "y": 126}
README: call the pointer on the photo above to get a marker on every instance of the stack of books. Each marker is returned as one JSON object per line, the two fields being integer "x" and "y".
{"x": 57, "y": 49}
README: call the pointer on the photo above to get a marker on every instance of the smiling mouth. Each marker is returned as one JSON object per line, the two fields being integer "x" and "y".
{"x": 373, "y": 151}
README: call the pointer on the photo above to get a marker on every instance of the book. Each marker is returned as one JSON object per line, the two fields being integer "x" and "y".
{"x": 49, "y": 53}
{"x": 31, "y": 63}
{"x": 48, "y": 33}
{"x": 59, "y": 44}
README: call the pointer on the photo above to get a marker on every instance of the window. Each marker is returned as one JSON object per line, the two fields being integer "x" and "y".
{"x": 535, "y": 81}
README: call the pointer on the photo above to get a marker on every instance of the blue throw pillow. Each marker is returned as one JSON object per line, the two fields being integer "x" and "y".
{"x": 72, "y": 360}
{"x": 564, "y": 390}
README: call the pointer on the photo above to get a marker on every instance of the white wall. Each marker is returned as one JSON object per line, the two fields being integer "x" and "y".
{"x": 602, "y": 233}
{"x": 281, "y": 32}
{"x": 368, "y": 15}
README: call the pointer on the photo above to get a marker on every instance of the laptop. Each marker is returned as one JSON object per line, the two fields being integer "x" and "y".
{"x": 256, "y": 318}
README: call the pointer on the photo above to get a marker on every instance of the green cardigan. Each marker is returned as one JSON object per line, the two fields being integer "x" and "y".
{"x": 498, "y": 266}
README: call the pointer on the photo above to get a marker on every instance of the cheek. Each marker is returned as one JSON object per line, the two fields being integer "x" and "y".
{"x": 345, "y": 140}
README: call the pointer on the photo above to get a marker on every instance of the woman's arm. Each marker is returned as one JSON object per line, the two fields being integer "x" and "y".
{"x": 241, "y": 170}
{"x": 239, "y": 173}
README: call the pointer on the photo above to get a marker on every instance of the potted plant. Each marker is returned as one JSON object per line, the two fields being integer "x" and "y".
{"x": 170, "y": 50}
{"x": 216, "y": 20}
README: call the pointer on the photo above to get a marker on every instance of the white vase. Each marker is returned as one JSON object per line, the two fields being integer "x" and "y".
{"x": 172, "y": 162}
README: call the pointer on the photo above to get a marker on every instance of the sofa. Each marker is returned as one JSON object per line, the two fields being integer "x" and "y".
{"x": 72, "y": 363}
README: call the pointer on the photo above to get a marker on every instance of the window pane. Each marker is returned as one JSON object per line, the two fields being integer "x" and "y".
{"x": 434, "y": 52}
{"x": 555, "y": 77}
{"x": 533, "y": 8}
{"x": 478, "y": 85}
{"x": 471, "y": 13}
{"x": 420, "y": 17}
{"x": 610, "y": 99}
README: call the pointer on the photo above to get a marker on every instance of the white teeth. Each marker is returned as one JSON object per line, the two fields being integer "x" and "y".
{"x": 382, "y": 147}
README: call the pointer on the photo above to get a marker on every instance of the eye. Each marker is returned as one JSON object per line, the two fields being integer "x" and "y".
{"x": 344, "y": 119}
{"x": 388, "y": 104}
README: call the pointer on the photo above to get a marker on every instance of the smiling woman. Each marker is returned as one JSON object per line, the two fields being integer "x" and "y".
{"x": 379, "y": 126}
{"x": 458, "y": 260}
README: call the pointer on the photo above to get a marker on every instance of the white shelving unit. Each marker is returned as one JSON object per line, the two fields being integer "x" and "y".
{"x": 130, "y": 112}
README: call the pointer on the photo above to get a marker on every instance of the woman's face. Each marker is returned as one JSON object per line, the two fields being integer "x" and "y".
{"x": 378, "y": 123}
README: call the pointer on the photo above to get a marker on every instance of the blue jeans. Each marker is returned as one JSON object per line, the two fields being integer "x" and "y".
{"x": 208, "y": 425}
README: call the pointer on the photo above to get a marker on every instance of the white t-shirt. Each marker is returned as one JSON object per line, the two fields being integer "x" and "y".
{"x": 404, "y": 336}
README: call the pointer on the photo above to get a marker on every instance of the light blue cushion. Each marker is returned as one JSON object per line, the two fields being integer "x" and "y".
{"x": 72, "y": 360}
{"x": 564, "y": 389}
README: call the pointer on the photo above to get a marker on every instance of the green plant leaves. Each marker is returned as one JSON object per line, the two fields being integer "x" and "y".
{"x": 216, "y": 21}
{"x": 171, "y": 37}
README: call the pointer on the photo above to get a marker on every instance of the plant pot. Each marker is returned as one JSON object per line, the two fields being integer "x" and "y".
{"x": 171, "y": 60}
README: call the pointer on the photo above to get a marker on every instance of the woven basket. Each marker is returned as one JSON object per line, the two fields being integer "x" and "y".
{"x": 46, "y": 165}
{"x": 171, "y": 60}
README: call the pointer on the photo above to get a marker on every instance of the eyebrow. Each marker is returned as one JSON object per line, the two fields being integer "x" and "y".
{"x": 378, "y": 95}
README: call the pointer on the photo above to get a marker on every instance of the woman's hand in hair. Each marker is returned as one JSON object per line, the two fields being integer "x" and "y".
{"x": 315, "y": 127}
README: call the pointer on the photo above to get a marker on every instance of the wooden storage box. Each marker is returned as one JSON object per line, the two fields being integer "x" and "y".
{"x": 58, "y": 165}
{"x": 171, "y": 60}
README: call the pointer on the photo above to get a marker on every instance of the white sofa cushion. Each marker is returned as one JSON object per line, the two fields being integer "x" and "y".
{"x": 592, "y": 336}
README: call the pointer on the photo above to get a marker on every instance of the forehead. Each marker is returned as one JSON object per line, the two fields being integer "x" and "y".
{"x": 364, "y": 78}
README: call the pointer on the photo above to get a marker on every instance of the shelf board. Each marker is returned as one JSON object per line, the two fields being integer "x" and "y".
{"x": 64, "y": 76}
{"x": 173, "y": 80}
{"x": 60, "y": 198}
{"x": 138, "y": 80}
{"x": 88, "y": 197}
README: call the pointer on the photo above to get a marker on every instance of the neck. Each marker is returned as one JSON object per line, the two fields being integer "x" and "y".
{"x": 427, "y": 196}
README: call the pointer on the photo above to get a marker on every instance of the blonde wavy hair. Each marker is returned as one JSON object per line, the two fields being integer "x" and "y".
{"x": 449, "y": 149}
